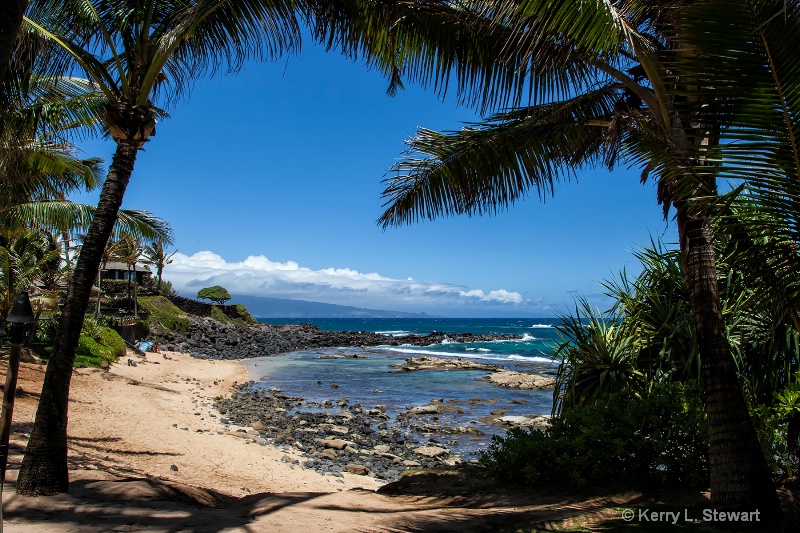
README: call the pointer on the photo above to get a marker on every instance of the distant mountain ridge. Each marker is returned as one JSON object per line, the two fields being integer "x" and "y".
{"x": 262, "y": 307}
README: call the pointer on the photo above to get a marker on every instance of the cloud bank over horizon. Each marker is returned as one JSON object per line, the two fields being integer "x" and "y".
{"x": 259, "y": 276}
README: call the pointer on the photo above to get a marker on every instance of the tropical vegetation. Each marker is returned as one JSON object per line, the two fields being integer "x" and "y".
{"x": 701, "y": 97}
{"x": 137, "y": 55}
{"x": 691, "y": 93}
{"x": 216, "y": 294}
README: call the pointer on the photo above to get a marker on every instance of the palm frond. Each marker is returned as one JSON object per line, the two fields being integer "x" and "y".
{"x": 71, "y": 217}
{"x": 490, "y": 165}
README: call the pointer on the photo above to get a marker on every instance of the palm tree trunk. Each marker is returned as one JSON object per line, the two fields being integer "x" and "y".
{"x": 10, "y": 22}
{"x": 740, "y": 476}
{"x": 44, "y": 466}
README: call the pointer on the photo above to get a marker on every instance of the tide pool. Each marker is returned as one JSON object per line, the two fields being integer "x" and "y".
{"x": 333, "y": 375}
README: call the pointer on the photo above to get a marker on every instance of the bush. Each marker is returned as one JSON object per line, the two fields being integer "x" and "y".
{"x": 114, "y": 286}
{"x": 658, "y": 438}
{"x": 98, "y": 343}
{"x": 46, "y": 330}
{"x": 244, "y": 314}
{"x": 219, "y": 316}
{"x": 774, "y": 433}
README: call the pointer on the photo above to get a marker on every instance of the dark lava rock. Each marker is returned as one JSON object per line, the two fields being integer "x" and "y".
{"x": 206, "y": 338}
{"x": 360, "y": 436}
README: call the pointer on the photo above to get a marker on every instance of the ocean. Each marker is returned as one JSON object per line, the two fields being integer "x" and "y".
{"x": 315, "y": 376}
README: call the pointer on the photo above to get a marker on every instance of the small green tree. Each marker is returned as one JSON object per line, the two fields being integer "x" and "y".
{"x": 216, "y": 294}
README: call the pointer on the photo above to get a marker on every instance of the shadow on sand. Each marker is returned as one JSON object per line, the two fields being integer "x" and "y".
{"x": 424, "y": 503}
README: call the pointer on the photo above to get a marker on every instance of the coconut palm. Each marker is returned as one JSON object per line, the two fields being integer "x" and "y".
{"x": 159, "y": 258}
{"x": 688, "y": 91}
{"x": 38, "y": 163}
{"x": 137, "y": 54}
{"x": 23, "y": 260}
{"x": 129, "y": 249}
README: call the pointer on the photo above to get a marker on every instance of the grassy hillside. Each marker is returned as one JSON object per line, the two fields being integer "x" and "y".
{"x": 164, "y": 315}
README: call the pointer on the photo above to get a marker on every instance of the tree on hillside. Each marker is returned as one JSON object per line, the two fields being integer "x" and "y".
{"x": 688, "y": 91}
{"x": 159, "y": 258}
{"x": 216, "y": 294}
{"x": 136, "y": 54}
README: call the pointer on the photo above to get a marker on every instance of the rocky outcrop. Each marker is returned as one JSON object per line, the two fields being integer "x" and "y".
{"x": 439, "y": 363}
{"x": 519, "y": 380}
{"x": 499, "y": 376}
{"x": 540, "y": 422}
{"x": 206, "y": 338}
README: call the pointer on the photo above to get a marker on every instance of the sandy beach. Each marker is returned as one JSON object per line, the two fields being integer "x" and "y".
{"x": 147, "y": 453}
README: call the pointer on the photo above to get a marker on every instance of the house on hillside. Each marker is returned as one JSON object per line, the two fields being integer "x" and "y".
{"x": 118, "y": 270}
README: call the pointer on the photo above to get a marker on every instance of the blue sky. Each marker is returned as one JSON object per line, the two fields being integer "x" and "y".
{"x": 283, "y": 163}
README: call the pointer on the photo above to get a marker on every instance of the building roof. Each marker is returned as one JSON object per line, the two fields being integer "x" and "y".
{"x": 117, "y": 265}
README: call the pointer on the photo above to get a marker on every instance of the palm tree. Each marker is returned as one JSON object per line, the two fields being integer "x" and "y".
{"x": 38, "y": 165}
{"x": 690, "y": 92}
{"x": 129, "y": 249}
{"x": 158, "y": 257}
{"x": 136, "y": 53}
{"x": 23, "y": 261}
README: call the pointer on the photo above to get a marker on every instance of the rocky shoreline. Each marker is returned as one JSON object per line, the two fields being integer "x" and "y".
{"x": 333, "y": 436}
{"x": 206, "y": 338}
{"x": 337, "y": 437}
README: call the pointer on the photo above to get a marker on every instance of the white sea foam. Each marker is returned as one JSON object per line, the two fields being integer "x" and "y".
{"x": 541, "y": 326}
{"x": 525, "y": 338}
{"x": 478, "y": 350}
{"x": 516, "y": 357}
{"x": 395, "y": 333}
{"x": 410, "y": 349}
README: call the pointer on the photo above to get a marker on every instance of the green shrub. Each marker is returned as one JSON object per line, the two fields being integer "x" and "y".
{"x": 98, "y": 343}
{"x": 244, "y": 314}
{"x": 658, "y": 438}
{"x": 114, "y": 286}
{"x": 46, "y": 330}
{"x": 772, "y": 427}
{"x": 164, "y": 315}
{"x": 219, "y": 316}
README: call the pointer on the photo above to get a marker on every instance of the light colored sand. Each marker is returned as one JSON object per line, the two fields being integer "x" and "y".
{"x": 133, "y": 419}
{"x": 123, "y": 442}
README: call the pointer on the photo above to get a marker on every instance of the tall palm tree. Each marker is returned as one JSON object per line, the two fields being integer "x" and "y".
{"x": 159, "y": 258}
{"x": 38, "y": 164}
{"x": 129, "y": 249}
{"x": 681, "y": 88}
{"x": 137, "y": 53}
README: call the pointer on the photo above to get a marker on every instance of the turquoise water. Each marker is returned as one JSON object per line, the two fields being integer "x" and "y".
{"x": 367, "y": 380}
{"x": 539, "y": 335}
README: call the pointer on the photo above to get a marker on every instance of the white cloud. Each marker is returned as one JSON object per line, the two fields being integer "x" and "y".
{"x": 259, "y": 276}
{"x": 502, "y": 296}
